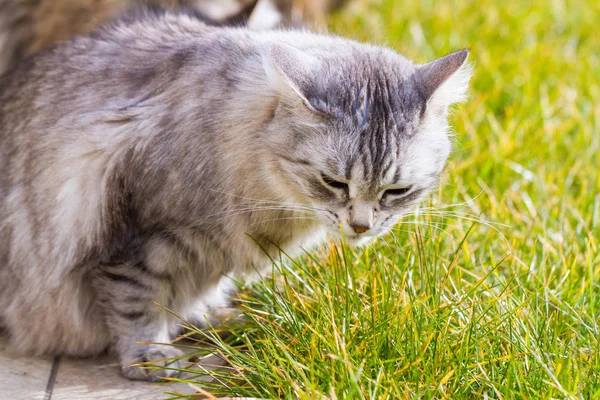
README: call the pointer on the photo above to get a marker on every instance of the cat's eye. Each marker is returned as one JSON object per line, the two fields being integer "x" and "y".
{"x": 397, "y": 192}
{"x": 333, "y": 183}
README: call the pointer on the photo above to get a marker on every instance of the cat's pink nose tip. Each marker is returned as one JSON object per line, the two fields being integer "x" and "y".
{"x": 359, "y": 228}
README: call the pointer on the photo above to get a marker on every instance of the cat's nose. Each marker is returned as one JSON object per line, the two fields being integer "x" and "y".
{"x": 360, "y": 228}
{"x": 361, "y": 217}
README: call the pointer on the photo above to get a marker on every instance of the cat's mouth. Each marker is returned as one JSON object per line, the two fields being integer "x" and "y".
{"x": 359, "y": 240}
{"x": 352, "y": 239}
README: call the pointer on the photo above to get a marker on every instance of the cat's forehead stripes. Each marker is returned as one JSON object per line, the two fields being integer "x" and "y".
{"x": 379, "y": 111}
{"x": 360, "y": 106}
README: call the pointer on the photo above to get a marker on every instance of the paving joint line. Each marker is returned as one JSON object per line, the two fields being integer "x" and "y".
{"x": 52, "y": 378}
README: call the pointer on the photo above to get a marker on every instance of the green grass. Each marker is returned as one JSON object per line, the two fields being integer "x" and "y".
{"x": 449, "y": 306}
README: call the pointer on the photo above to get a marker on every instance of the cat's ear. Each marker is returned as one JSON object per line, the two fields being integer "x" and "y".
{"x": 290, "y": 72}
{"x": 445, "y": 81}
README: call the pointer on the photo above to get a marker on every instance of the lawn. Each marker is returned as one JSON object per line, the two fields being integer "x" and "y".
{"x": 490, "y": 289}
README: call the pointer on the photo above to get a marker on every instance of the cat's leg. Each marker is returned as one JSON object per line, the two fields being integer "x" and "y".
{"x": 127, "y": 293}
{"x": 213, "y": 307}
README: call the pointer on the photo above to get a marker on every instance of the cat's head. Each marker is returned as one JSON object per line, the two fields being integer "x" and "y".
{"x": 360, "y": 133}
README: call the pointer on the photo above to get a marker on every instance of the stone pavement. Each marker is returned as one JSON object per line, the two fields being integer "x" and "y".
{"x": 30, "y": 378}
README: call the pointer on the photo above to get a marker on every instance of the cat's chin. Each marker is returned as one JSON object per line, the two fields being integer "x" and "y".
{"x": 360, "y": 241}
{"x": 353, "y": 240}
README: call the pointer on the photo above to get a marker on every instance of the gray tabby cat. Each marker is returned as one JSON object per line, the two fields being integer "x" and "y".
{"x": 152, "y": 160}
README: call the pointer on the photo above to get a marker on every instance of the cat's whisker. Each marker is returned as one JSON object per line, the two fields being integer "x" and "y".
{"x": 224, "y": 216}
{"x": 471, "y": 218}
{"x": 268, "y": 201}
{"x": 271, "y": 206}
{"x": 466, "y": 216}
{"x": 469, "y": 201}
{"x": 407, "y": 232}
{"x": 263, "y": 208}
{"x": 287, "y": 218}
{"x": 423, "y": 223}
{"x": 285, "y": 204}
{"x": 232, "y": 212}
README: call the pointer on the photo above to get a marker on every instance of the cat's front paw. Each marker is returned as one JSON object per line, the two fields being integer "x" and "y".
{"x": 155, "y": 363}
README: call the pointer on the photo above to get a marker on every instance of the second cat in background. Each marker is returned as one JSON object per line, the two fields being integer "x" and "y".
{"x": 27, "y": 27}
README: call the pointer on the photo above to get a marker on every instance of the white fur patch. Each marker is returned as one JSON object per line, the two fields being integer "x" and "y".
{"x": 454, "y": 89}
{"x": 265, "y": 16}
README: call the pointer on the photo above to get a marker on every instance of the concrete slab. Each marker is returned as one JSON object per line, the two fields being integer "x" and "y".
{"x": 22, "y": 377}
{"x": 73, "y": 379}
{"x": 101, "y": 379}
